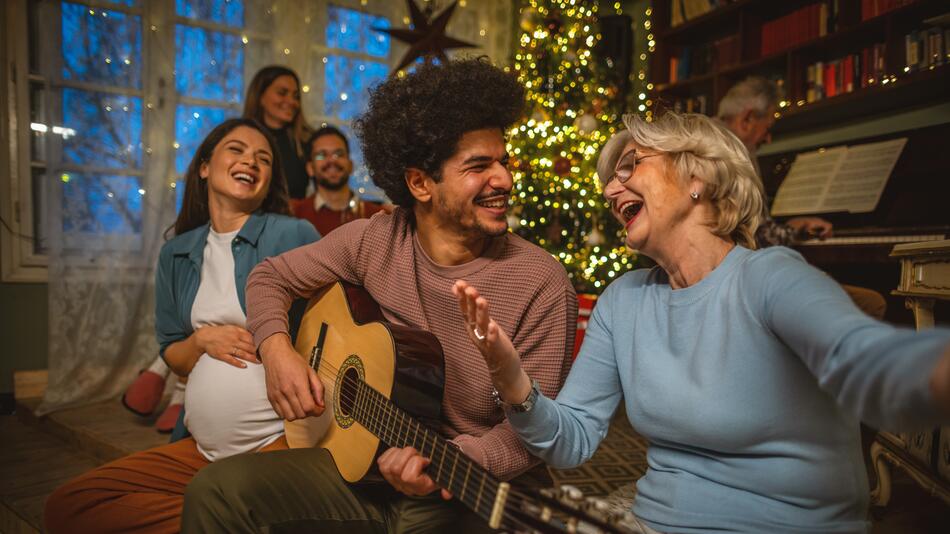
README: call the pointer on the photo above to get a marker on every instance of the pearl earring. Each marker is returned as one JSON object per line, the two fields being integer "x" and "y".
{"x": 694, "y": 195}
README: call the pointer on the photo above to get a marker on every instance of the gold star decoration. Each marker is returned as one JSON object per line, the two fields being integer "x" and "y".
{"x": 426, "y": 38}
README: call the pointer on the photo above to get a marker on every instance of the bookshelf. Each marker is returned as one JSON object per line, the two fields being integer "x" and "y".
{"x": 838, "y": 60}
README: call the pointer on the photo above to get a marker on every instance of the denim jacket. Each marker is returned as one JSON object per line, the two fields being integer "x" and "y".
{"x": 179, "y": 267}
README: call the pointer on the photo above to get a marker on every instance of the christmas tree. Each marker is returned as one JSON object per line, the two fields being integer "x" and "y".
{"x": 574, "y": 108}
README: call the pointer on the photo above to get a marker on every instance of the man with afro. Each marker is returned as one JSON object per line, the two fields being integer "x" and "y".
{"x": 434, "y": 141}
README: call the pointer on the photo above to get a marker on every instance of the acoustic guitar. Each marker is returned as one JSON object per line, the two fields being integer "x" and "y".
{"x": 383, "y": 388}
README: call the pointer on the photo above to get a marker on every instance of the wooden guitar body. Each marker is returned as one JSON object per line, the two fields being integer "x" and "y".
{"x": 383, "y": 388}
{"x": 343, "y": 332}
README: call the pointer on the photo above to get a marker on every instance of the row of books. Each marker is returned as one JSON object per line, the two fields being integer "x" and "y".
{"x": 924, "y": 49}
{"x": 873, "y": 8}
{"x": 696, "y": 104}
{"x": 825, "y": 79}
{"x": 728, "y": 51}
{"x": 799, "y": 26}
{"x": 690, "y": 61}
{"x": 683, "y": 10}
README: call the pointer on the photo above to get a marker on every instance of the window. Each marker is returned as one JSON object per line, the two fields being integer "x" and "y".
{"x": 355, "y": 58}
{"x": 117, "y": 105}
{"x": 108, "y": 100}
{"x": 209, "y": 73}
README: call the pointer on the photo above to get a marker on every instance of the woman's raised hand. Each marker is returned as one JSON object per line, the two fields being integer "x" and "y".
{"x": 229, "y": 343}
{"x": 503, "y": 361}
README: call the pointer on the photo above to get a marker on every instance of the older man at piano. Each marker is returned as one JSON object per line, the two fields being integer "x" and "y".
{"x": 748, "y": 110}
{"x": 748, "y": 370}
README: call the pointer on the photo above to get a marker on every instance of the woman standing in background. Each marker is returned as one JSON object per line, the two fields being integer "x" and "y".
{"x": 273, "y": 99}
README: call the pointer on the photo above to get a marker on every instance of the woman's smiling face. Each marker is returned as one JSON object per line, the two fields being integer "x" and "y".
{"x": 652, "y": 202}
{"x": 280, "y": 102}
{"x": 240, "y": 168}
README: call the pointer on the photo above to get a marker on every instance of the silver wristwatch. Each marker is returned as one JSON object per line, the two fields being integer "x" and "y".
{"x": 522, "y": 407}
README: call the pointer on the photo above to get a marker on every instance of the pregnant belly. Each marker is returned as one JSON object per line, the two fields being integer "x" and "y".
{"x": 226, "y": 408}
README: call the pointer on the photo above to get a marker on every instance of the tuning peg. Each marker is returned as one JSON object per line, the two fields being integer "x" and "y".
{"x": 546, "y": 513}
{"x": 571, "y": 492}
{"x": 595, "y": 504}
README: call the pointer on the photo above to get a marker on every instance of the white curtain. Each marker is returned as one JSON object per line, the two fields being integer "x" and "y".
{"x": 101, "y": 294}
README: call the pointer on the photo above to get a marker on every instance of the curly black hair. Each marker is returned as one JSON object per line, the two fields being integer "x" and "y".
{"x": 417, "y": 120}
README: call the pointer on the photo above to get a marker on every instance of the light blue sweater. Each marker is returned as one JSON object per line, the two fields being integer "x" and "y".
{"x": 749, "y": 386}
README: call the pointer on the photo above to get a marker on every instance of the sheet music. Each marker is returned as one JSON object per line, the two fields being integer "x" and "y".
{"x": 839, "y": 179}
{"x": 804, "y": 187}
{"x": 862, "y": 177}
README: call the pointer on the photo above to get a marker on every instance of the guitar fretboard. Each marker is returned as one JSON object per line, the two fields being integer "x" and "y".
{"x": 448, "y": 467}
{"x": 497, "y": 502}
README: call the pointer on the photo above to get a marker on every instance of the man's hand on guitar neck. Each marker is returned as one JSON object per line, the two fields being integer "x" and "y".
{"x": 293, "y": 388}
{"x": 403, "y": 469}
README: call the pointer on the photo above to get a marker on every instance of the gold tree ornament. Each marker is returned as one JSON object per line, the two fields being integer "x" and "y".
{"x": 529, "y": 19}
{"x": 426, "y": 38}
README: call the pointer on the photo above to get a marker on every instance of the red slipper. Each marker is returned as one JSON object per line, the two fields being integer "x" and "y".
{"x": 144, "y": 394}
{"x": 166, "y": 421}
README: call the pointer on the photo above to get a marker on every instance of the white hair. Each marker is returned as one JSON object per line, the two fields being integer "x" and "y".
{"x": 755, "y": 93}
{"x": 697, "y": 146}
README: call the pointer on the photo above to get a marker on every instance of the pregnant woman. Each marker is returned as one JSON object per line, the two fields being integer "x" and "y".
{"x": 234, "y": 214}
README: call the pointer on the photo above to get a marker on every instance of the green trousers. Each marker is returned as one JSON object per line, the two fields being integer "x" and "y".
{"x": 300, "y": 490}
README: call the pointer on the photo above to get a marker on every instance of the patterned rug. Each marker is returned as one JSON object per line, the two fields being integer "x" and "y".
{"x": 615, "y": 467}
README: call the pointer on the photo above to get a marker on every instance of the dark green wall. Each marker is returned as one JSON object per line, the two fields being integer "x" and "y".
{"x": 23, "y": 330}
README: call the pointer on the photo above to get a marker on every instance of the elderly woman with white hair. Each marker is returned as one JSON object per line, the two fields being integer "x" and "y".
{"x": 748, "y": 371}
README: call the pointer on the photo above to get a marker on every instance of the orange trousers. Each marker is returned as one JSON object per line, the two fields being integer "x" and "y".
{"x": 141, "y": 493}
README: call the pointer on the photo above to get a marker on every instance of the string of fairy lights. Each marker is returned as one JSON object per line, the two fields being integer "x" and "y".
{"x": 575, "y": 107}
{"x": 292, "y": 45}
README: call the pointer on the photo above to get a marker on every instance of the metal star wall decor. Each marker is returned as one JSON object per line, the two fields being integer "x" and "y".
{"x": 426, "y": 38}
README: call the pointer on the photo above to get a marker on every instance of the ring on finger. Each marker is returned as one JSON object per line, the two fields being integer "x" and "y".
{"x": 478, "y": 334}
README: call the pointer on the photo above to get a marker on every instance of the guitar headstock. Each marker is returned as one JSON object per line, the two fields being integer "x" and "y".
{"x": 566, "y": 509}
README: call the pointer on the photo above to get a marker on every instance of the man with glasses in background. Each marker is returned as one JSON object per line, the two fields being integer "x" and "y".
{"x": 748, "y": 110}
{"x": 329, "y": 166}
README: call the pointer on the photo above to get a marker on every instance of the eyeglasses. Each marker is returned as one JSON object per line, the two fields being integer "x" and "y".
{"x": 625, "y": 167}
{"x": 336, "y": 154}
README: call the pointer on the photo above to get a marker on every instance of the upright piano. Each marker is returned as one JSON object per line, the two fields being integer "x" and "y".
{"x": 915, "y": 206}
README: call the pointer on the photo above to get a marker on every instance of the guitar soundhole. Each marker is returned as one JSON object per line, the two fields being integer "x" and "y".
{"x": 347, "y": 383}
{"x": 348, "y": 390}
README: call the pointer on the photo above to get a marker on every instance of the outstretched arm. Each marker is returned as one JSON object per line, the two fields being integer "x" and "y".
{"x": 890, "y": 377}
{"x": 504, "y": 363}
{"x": 563, "y": 432}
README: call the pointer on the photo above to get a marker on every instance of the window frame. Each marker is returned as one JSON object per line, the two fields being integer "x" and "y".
{"x": 19, "y": 262}
{"x": 159, "y": 101}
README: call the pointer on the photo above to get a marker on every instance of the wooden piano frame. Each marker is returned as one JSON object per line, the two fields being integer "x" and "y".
{"x": 925, "y": 456}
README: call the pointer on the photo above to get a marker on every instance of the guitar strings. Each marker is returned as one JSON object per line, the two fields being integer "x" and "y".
{"x": 379, "y": 410}
{"x": 384, "y": 405}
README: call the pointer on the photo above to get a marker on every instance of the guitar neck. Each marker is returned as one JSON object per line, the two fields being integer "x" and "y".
{"x": 449, "y": 467}
{"x": 356, "y": 401}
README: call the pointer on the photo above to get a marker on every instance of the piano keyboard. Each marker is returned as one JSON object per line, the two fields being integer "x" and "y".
{"x": 872, "y": 240}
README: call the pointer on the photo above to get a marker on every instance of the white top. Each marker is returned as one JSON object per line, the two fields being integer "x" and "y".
{"x": 226, "y": 407}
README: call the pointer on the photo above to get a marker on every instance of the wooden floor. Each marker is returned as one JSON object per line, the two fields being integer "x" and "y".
{"x": 38, "y": 454}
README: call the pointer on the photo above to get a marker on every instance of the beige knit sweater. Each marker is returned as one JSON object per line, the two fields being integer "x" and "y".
{"x": 529, "y": 293}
